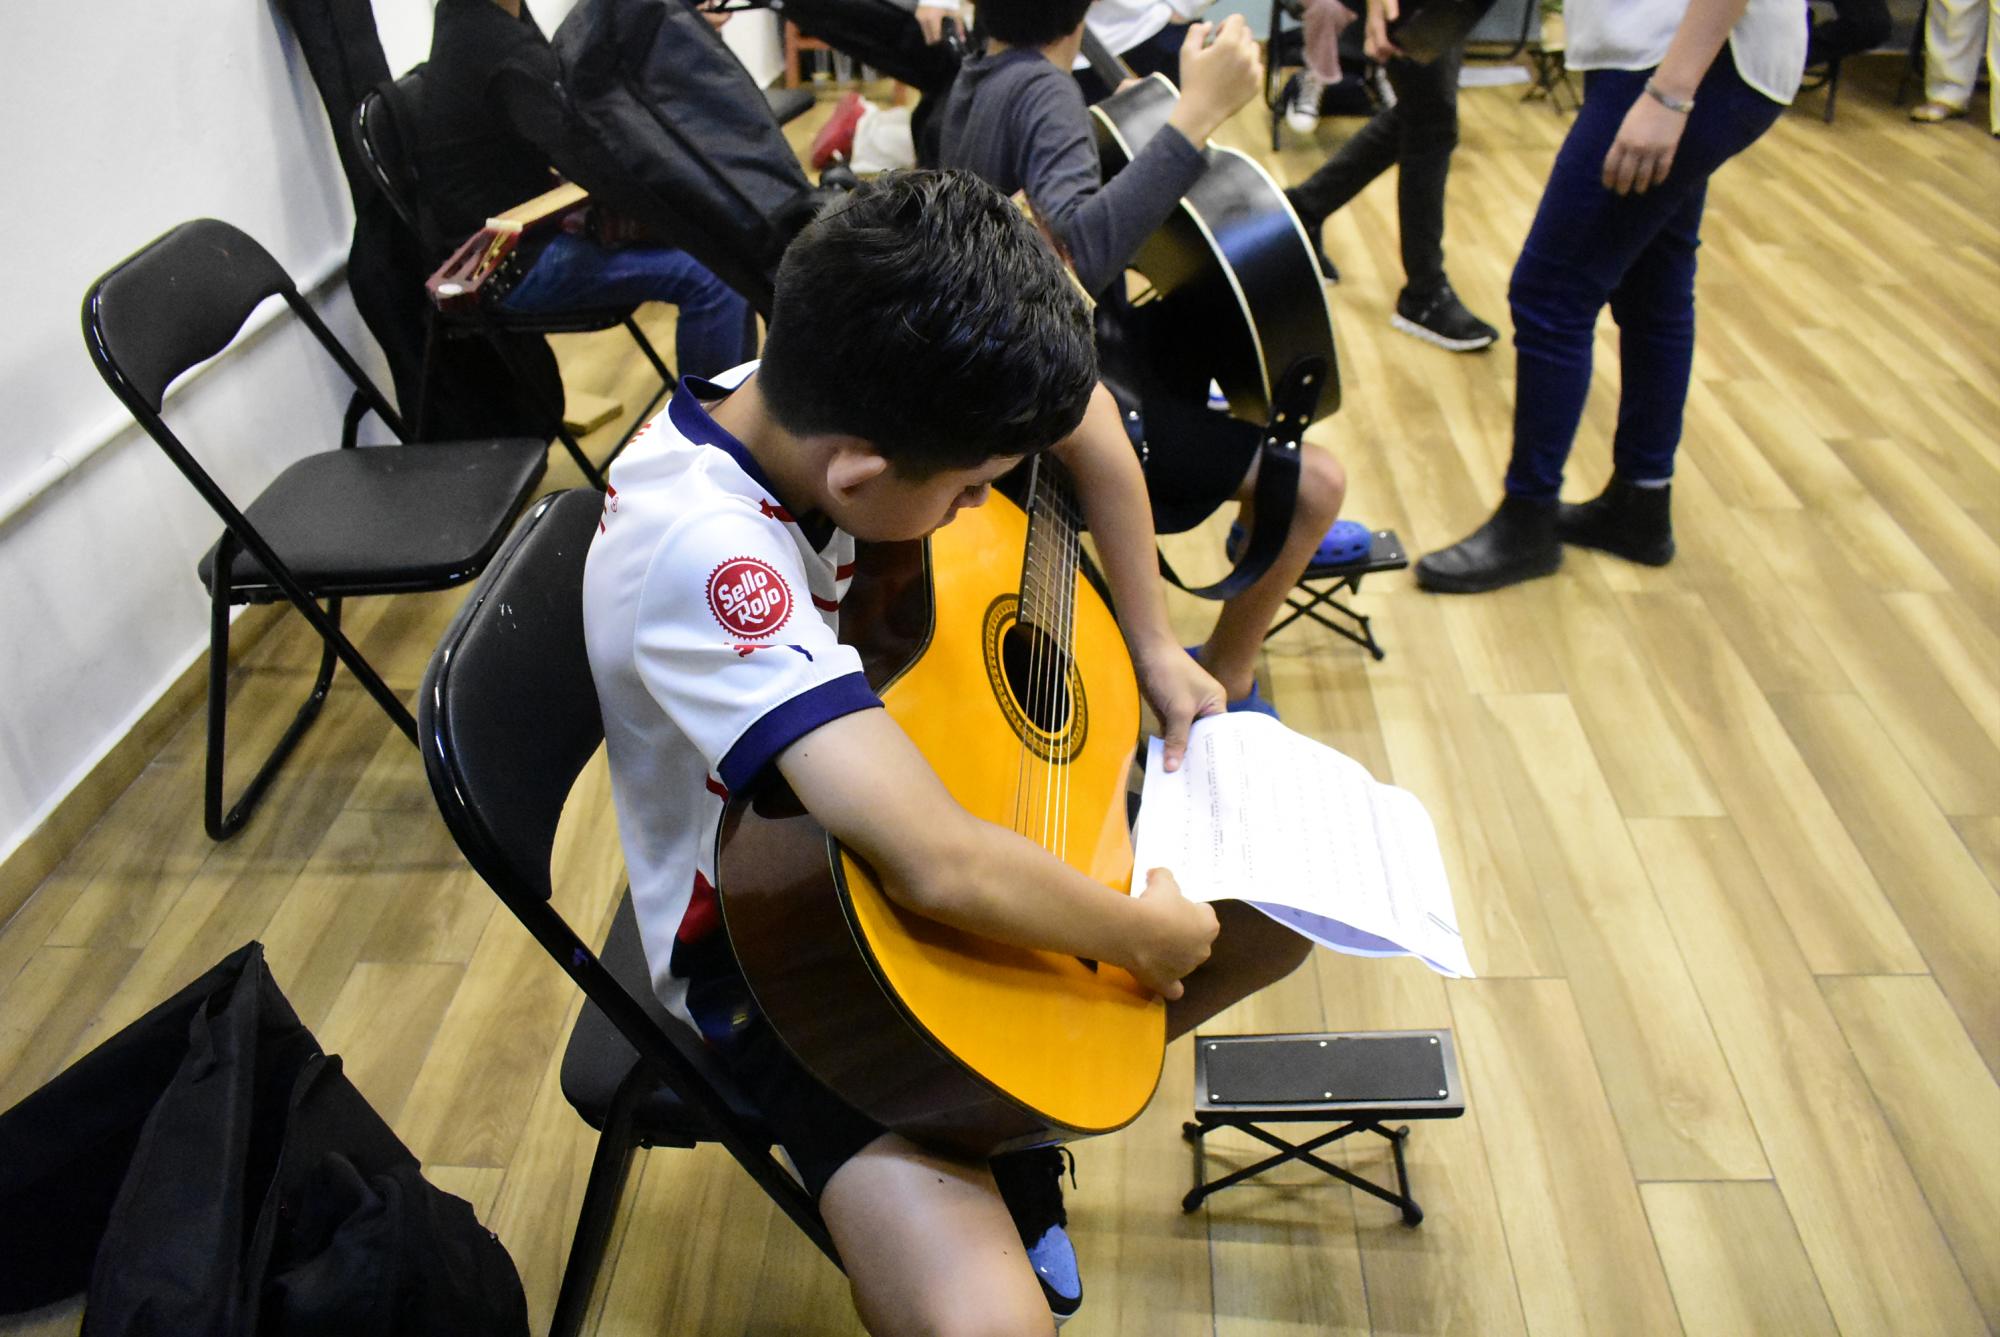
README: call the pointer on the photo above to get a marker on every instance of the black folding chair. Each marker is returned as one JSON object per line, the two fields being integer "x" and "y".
{"x": 346, "y": 522}
{"x": 508, "y": 718}
{"x": 381, "y": 136}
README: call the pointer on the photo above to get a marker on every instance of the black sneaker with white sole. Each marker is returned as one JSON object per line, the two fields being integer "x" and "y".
{"x": 1442, "y": 319}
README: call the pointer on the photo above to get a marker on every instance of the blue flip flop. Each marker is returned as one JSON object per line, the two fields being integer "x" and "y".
{"x": 1346, "y": 541}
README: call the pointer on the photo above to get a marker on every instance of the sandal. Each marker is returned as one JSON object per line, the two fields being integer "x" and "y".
{"x": 1930, "y": 113}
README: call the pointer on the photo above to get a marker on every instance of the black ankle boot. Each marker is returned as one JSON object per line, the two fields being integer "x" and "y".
{"x": 1635, "y": 523}
{"x": 1519, "y": 543}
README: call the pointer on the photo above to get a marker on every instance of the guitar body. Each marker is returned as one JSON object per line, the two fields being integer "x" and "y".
{"x": 1232, "y": 263}
{"x": 948, "y": 1037}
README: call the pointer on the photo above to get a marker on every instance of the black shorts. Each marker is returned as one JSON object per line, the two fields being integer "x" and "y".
{"x": 1196, "y": 460}
{"x": 818, "y": 1130}
{"x": 1196, "y": 457}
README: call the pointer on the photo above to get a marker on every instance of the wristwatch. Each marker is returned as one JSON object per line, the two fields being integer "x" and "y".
{"x": 1683, "y": 105}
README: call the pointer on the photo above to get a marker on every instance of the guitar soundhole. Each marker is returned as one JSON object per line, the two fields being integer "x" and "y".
{"x": 1037, "y": 673}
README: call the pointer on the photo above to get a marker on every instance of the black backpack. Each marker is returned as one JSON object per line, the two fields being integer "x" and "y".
{"x": 208, "y": 1170}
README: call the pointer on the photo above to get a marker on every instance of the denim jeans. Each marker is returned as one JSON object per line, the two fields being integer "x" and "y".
{"x": 1589, "y": 246}
{"x": 1416, "y": 137}
{"x": 712, "y": 332}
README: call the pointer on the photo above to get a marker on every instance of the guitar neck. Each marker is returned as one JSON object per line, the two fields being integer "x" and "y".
{"x": 1104, "y": 62}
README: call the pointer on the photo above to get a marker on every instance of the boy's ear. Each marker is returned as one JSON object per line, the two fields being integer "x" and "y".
{"x": 852, "y": 464}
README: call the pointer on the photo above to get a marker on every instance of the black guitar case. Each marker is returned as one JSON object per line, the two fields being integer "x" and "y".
{"x": 660, "y": 121}
{"x": 1237, "y": 297}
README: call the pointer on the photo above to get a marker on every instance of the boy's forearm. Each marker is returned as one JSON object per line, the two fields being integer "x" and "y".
{"x": 865, "y": 781}
{"x": 1111, "y": 487}
{"x": 1004, "y": 886}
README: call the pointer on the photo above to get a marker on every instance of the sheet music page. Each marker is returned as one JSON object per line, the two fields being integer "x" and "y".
{"x": 1261, "y": 814}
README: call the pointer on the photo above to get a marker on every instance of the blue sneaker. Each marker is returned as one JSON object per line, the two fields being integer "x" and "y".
{"x": 1254, "y": 703}
{"x": 1054, "y": 1260}
{"x": 1347, "y": 541}
{"x": 1031, "y": 1185}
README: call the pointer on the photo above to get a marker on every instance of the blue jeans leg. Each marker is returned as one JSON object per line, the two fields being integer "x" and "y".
{"x": 1587, "y": 244}
{"x": 712, "y": 329}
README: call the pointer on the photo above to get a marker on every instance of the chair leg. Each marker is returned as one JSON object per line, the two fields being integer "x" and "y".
{"x": 335, "y": 648}
{"x": 646, "y": 411}
{"x": 219, "y": 824}
{"x": 608, "y": 1170}
{"x": 590, "y": 472}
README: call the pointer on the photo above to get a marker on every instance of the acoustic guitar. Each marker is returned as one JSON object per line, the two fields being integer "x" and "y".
{"x": 1246, "y": 300}
{"x": 1006, "y": 668}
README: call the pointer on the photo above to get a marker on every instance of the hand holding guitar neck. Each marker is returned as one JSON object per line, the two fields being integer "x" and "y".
{"x": 1176, "y": 938}
{"x": 1381, "y": 48}
{"x": 1221, "y": 69}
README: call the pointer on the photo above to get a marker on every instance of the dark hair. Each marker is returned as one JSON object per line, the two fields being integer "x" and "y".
{"x": 1030, "y": 22}
{"x": 924, "y": 314}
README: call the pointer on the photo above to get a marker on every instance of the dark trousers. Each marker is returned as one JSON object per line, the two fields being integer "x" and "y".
{"x": 1416, "y": 137}
{"x": 1589, "y": 246}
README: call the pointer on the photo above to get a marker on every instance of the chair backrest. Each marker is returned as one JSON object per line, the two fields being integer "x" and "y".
{"x": 506, "y": 720}
{"x": 182, "y": 299}
{"x": 177, "y": 302}
{"x": 508, "y": 714}
{"x": 381, "y": 132}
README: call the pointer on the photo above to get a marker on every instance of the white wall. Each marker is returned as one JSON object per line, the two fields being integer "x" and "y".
{"x": 123, "y": 118}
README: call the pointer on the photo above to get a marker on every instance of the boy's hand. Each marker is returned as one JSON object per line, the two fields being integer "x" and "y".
{"x": 1177, "y": 935}
{"x": 1375, "y": 41}
{"x": 1221, "y": 69}
{"x": 930, "y": 18}
{"x": 1180, "y": 691}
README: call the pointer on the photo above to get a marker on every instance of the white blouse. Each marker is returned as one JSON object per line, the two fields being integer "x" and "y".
{"x": 1768, "y": 42}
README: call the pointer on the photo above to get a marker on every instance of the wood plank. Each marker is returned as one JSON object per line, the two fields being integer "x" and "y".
{"x": 1453, "y": 1272}
{"x": 1882, "y": 1262}
{"x": 1582, "y": 1251}
{"x": 49, "y": 1003}
{"x": 1449, "y": 751}
{"x": 1145, "y": 1264}
{"x": 1942, "y": 1104}
{"x": 1734, "y": 1259}
{"x": 1982, "y": 838}
{"x": 1675, "y": 1102}
{"x": 1962, "y": 647}
{"x": 479, "y": 1185}
{"x": 1951, "y": 911}
{"x": 381, "y": 1025}
{"x": 1832, "y": 903}
{"x": 1282, "y": 1245}
{"x": 1647, "y": 763}
{"x": 540, "y": 1189}
{"x": 1943, "y": 742}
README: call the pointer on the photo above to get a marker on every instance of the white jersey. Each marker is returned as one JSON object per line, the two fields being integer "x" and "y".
{"x": 710, "y": 615}
{"x": 1768, "y": 42}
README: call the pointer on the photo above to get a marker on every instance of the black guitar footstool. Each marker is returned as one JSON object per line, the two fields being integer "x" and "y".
{"x": 1319, "y": 586}
{"x": 1357, "y": 1079}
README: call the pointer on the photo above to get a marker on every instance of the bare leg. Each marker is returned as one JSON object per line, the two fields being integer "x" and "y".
{"x": 1232, "y": 649}
{"x": 1252, "y": 950}
{"x": 929, "y": 1246}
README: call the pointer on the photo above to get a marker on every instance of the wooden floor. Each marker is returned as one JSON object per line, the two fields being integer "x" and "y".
{"x": 1724, "y": 838}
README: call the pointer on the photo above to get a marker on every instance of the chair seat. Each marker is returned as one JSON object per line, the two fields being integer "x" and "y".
{"x": 586, "y": 321}
{"x": 599, "y": 1057}
{"x": 377, "y": 519}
